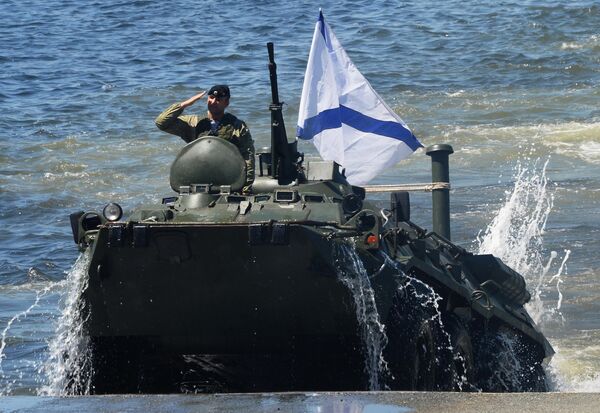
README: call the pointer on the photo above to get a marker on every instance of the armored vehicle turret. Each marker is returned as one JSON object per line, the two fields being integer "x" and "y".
{"x": 301, "y": 284}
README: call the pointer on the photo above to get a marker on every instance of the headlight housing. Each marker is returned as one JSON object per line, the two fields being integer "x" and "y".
{"x": 112, "y": 212}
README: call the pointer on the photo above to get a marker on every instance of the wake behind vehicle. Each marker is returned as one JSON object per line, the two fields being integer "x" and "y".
{"x": 302, "y": 284}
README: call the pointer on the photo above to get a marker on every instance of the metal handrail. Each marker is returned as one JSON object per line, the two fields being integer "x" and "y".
{"x": 407, "y": 187}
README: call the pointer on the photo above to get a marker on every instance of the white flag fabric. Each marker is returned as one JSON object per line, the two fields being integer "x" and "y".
{"x": 344, "y": 117}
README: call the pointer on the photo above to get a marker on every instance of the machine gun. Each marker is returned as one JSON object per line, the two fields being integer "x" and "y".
{"x": 284, "y": 154}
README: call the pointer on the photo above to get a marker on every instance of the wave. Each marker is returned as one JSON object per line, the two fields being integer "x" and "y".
{"x": 592, "y": 42}
{"x": 574, "y": 367}
{"x": 576, "y": 140}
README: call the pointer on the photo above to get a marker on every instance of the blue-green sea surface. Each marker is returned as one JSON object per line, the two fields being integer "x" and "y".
{"x": 513, "y": 86}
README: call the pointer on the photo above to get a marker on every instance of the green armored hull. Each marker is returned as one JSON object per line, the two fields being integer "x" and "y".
{"x": 187, "y": 290}
{"x": 207, "y": 289}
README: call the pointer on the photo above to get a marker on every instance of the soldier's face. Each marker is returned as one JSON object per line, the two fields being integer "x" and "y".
{"x": 217, "y": 105}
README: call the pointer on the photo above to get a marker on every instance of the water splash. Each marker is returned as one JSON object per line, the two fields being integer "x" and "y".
{"x": 353, "y": 274}
{"x": 516, "y": 236}
{"x": 6, "y": 390}
{"x": 542, "y": 311}
{"x": 513, "y": 369}
{"x": 424, "y": 304}
{"x": 68, "y": 368}
{"x": 428, "y": 299}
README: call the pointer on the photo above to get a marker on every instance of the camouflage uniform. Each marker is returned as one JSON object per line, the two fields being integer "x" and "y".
{"x": 192, "y": 127}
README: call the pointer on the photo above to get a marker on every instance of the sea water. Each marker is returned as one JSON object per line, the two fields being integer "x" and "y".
{"x": 512, "y": 86}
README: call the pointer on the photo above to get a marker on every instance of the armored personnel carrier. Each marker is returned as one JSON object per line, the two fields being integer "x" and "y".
{"x": 302, "y": 284}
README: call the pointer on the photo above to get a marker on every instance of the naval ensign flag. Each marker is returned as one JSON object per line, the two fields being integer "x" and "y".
{"x": 346, "y": 119}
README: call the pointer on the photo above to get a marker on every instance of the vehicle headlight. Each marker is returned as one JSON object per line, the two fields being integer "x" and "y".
{"x": 112, "y": 212}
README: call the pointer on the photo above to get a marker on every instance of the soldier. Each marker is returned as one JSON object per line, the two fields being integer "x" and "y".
{"x": 216, "y": 123}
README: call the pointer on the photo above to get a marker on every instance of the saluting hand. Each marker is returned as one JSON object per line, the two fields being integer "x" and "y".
{"x": 193, "y": 99}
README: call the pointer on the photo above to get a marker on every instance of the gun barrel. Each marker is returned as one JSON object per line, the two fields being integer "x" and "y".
{"x": 284, "y": 155}
{"x": 273, "y": 73}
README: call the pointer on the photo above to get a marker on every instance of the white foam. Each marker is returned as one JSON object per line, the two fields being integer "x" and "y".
{"x": 49, "y": 176}
{"x": 569, "y": 373}
{"x": 588, "y": 43}
{"x": 570, "y": 45}
{"x": 571, "y": 139}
